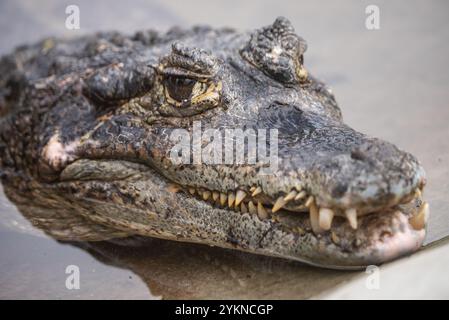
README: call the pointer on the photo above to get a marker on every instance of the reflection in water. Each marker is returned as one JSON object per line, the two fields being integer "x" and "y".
{"x": 180, "y": 270}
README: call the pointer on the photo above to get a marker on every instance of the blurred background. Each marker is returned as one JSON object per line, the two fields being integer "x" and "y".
{"x": 391, "y": 83}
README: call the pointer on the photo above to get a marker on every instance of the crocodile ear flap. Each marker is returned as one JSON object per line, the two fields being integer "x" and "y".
{"x": 277, "y": 51}
{"x": 119, "y": 82}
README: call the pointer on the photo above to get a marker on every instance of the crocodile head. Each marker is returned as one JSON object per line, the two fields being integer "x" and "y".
{"x": 136, "y": 135}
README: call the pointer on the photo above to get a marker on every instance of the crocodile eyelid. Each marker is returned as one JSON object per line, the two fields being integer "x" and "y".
{"x": 190, "y": 58}
{"x": 179, "y": 72}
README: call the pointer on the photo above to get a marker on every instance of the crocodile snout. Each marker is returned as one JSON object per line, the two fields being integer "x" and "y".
{"x": 369, "y": 176}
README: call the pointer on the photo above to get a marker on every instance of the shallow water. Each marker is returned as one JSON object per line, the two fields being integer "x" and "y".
{"x": 391, "y": 83}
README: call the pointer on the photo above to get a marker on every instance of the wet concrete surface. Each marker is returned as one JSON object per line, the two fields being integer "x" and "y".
{"x": 391, "y": 83}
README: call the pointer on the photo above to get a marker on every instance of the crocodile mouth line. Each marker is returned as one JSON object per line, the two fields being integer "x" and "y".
{"x": 298, "y": 201}
{"x": 255, "y": 201}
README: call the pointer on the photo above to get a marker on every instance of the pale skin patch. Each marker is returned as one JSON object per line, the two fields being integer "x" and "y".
{"x": 58, "y": 154}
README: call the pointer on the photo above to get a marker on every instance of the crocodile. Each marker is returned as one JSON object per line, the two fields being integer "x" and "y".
{"x": 87, "y": 150}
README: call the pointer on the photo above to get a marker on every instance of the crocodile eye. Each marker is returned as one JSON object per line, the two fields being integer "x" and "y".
{"x": 186, "y": 94}
{"x": 179, "y": 88}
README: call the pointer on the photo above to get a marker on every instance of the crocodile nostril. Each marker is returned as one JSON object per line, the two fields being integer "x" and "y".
{"x": 358, "y": 154}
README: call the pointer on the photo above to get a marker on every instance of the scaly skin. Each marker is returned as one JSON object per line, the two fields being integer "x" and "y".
{"x": 85, "y": 148}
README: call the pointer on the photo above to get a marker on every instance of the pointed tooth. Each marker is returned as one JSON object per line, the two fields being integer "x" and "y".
{"x": 252, "y": 189}
{"x": 239, "y": 197}
{"x": 206, "y": 195}
{"x": 173, "y": 188}
{"x": 291, "y": 195}
{"x": 256, "y": 191}
{"x": 418, "y": 221}
{"x": 261, "y": 212}
{"x": 192, "y": 190}
{"x": 300, "y": 195}
{"x": 243, "y": 208}
{"x": 314, "y": 219}
{"x": 351, "y": 215}
{"x": 252, "y": 208}
{"x": 335, "y": 238}
{"x": 418, "y": 193}
{"x": 309, "y": 201}
{"x": 280, "y": 202}
{"x": 215, "y": 195}
{"x": 223, "y": 198}
{"x": 325, "y": 218}
{"x": 231, "y": 199}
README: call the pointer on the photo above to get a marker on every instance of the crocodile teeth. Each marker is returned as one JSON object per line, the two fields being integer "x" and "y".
{"x": 215, "y": 195}
{"x": 223, "y": 198}
{"x": 310, "y": 200}
{"x": 206, "y": 195}
{"x": 231, "y": 199}
{"x": 173, "y": 188}
{"x": 314, "y": 218}
{"x": 418, "y": 193}
{"x": 239, "y": 197}
{"x": 351, "y": 215}
{"x": 261, "y": 212}
{"x": 252, "y": 189}
{"x": 192, "y": 190}
{"x": 256, "y": 191}
{"x": 252, "y": 208}
{"x": 243, "y": 208}
{"x": 300, "y": 195}
{"x": 280, "y": 202}
{"x": 335, "y": 238}
{"x": 418, "y": 222}
{"x": 325, "y": 218}
{"x": 291, "y": 195}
